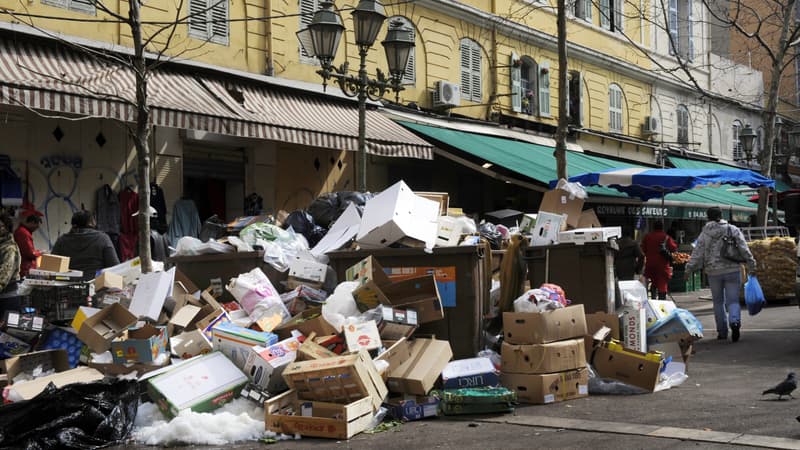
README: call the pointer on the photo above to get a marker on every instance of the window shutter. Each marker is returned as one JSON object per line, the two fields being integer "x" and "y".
{"x": 516, "y": 85}
{"x": 198, "y": 16}
{"x": 306, "y": 9}
{"x": 86, "y": 6}
{"x": 59, "y": 3}
{"x": 605, "y": 14}
{"x": 689, "y": 31}
{"x": 672, "y": 17}
{"x": 544, "y": 88}
{"x": 466, "y": 81}
{"x": 619, "y": 17}
{"x": 410, "y": 75}
{"x": 477, "y": 90}
{"x": 219, "y": 21}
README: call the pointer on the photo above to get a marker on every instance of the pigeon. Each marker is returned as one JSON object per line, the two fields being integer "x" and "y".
{"x": 785, "y": 387}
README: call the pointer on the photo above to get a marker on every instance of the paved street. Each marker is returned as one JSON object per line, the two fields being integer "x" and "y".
{"x": 719, "y": 403}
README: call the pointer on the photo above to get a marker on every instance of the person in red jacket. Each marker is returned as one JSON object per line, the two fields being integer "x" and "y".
{"x": 657, "y": 269}
{"x": 31, "y": 220}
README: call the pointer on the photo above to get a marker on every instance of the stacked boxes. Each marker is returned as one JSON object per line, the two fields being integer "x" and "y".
{"x": 543, "y": 355}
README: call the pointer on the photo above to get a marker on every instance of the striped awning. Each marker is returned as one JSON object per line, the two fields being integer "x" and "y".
{"x": 60, "y": 79}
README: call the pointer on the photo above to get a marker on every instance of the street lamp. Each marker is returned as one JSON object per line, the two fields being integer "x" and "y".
{"x": 747, "y": 138}
{"x": 323, "y": 35}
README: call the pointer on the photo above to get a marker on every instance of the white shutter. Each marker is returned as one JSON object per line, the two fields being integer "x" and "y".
{"x": 198, "y": 19}
{"x": 605, "y": 14}
{"x": 59, "y": 3}
{"x": 219, "y": 21}
{"x": 611, "y": 100}
{"x": 477, "y": 89}
{"x": 587, "y": 9}
{"x": 672, "y": 25}
{"x": 619, "y": 16}
{"x": 85, "y": 6}
{"x": 544, "y": 88}
{"x": 466, "y": 74}
{"x": 409, "y": 76}
{"x": 306, "y": 9}
{"x": 516, "y": 85}
{"x": 690, "y": 31}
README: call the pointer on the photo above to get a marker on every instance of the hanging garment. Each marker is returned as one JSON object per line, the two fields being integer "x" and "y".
{"x": 185, "y": 221}
{"x": 159, "y": 246}
{"x": 107, "y": 210}
{"x": 158, "y": 202}
{"x": 129, "y": 226}
{"x": 253, "y": 205}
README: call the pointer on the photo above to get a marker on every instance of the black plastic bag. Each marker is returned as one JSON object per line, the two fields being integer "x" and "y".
{"x": 77, "y": 416}
{"x": 324, "y": 209}
{"x": 489, "y": 232}
{"x": 303, "y": 223}
{"x": 213, "y": 228}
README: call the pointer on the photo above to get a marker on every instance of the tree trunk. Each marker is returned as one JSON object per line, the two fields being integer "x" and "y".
{"x": 141, "y": 137}
{"x": 563, "y": 86}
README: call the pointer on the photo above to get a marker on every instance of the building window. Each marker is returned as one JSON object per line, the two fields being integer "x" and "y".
{"x": 84, "y": 6}
{"x": 524, "y": 77}
{"x": 682, "y": 114}
{"x": 409, "y": 77}
{"x": 543, "y": 80}
{"x": 738, "y": 152}
{"x": 471, "y": 70}
{"x": 680, "y": 27}
{"x": 208, "y": 20}
{"x": 307, "y": 9}
{"x": 615, "y": 109}
{"x": 583, "y": 10}
{"x": 612, "y": 14}
{"x": 575, "y": 99}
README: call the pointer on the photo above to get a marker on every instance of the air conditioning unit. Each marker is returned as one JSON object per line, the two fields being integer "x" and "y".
{"x": 650, "y": 126}
{"x": 446, "y": 94}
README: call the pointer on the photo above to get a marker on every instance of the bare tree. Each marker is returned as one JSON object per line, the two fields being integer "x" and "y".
{"x": 148, "y": 54}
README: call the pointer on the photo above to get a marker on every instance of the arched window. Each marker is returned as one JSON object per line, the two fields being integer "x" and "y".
{"x": 615, "y": 108}
{"x": 409, "y": 78}
{"x": 524, "y": 79}
{"x": 682, "y": 119}
{"x": 471, "y": 88}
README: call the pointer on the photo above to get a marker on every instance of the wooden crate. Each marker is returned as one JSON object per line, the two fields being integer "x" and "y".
{"x": 327, "y": 420}
{"x": 341, "y": 379}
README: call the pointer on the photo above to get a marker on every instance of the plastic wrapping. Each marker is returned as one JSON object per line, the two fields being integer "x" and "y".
{"x": 257, "y": 296}
{"x": 190, "y": 246}
{"x": 78, "y": 416}
{"x": 489, "y": 232}
{"x": 341, "y": 305}
{"x": 608, "y": 386}
{"x": 263, "y": 231}
{"x": 575, "y": 189}
{"x": 278, "y": 252}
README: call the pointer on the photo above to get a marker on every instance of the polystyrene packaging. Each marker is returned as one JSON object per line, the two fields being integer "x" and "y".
{"x": 575, "y": 189}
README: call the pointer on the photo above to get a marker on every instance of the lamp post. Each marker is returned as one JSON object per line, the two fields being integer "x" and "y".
{"x": 323, "y": 35}
{"x": 747, "y": 138}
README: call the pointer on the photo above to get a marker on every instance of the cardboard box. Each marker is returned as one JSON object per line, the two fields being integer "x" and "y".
{"x": 414, "y": 407}
{"x": 108, "y": 280}
{"x": 190, "y": 343}
{"x": 657, "y": 310}
{"x": 307, "y": 322}
{"x": 557, "y": 356}
{"x": 186, "y": 316}
{"x": 633, "y": 325}
{"x": 207, "y": 323}
{"x": 588, "y": 219}
{"x": 397, "y": 215}
{"x": 680, "y": 325}
{"x": 630, "y": 366}
{"x": 311, "y": 350}
{"x": 362, "y": 335}
{"x": 549, "y": 387}
{"x": 396, "y": 354}
{"x": 419, "y": 372}
{"x": 420, "y": 294}
{"x": 291, "y": 415}
{"x": 83, "y": 313}
{"x": 201, "y": 384}
{"x": 370, "y": 276}
{"x": 15, "y": 320}
{"x": 143, "y": 345}
{"x": 448, "y": 232}
{"x": 469, "y": 373}
{"x": 46, "y": 360}
{"x": 544, "y": 327}
{"x": 31, "y": 389}
{"x": 99, "y": 330}
{"x": 594, "y": 322}
{"x": 545, "y": 230}
{"x": 304, "y": 271}
{"x": 151, "y": 292}
{"x": 125, "y": 369}
{"x": 559, "y": 201}
{"x": 580, "y": 236}
{"x": 265, "y": 365}
{"x": 235, "y": 341}
{"x": 54, "y": 263}
{"x": 506, "y": 217}
{"x": 342, "y": 379}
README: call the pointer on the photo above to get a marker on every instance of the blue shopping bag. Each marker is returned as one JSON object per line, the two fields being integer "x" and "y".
{"x": 753, "y": 296}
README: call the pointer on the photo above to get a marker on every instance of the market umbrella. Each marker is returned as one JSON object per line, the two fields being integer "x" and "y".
{"x": 647, "y": 183}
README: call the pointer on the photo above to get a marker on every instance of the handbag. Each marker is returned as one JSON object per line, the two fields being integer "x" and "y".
{"x": 665, "y": 251}
{"x": 729, "y": 250}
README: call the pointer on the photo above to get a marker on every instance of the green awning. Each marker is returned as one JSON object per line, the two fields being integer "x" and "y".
{"x": 685, "y": 163}
{"x": 538, "y": 163}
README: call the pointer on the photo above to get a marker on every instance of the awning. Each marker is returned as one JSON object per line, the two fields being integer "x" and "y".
{"x": 538, "y": 163}
{"x": 685, "y": 163}
{"x": 57, "y": 78}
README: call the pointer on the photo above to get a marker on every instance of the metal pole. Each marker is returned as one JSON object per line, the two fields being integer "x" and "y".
{"x": 363, "y": 82}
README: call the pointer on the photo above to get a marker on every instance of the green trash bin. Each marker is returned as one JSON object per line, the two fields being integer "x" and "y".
{"x": 697, "y": 280}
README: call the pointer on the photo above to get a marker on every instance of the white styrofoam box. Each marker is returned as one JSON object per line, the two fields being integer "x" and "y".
{"x": 264, "y": 365}
{"x": 449, "y": 232}
{"x": 581, "y": 236}
{"x": 307, "y": 269}
{"x": 395, "y": 214}
{"x": 547, "y": 227}
{"x": 658, "y": 309}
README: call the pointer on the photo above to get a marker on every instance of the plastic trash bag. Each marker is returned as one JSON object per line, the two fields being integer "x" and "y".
{"x": 279, "y": 252}
{"x": 324, "y": 209}
{"x": 264, "y": 231}
{"x": 575, "y": 189}
{"x": 753, "y": 296}
{"x": 213, "y": 228}
{"x": 489, "y": 232}
{"x": 77, "y": 416}
{"x": 191, "y": 246}
{"x": 609, "y": 386}
{"x": 341, "y": 305}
